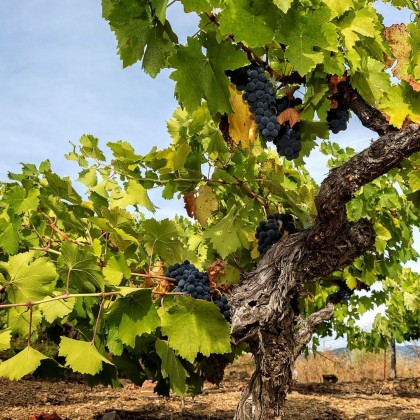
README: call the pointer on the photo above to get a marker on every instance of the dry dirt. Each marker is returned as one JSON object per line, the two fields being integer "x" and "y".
{"x": 73, "y": 400}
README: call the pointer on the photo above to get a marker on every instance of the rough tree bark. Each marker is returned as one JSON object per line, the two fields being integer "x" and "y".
{"x": 263, "y": 314}
{"x": 393, "y": 371}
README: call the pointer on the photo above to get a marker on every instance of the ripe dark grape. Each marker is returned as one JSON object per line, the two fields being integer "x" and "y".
{"x": 288, "y": 141}
{"x": 337, "y": 119}
{"x": 273, "y": 229}
{"x": 260, "y": 95}
{"x": 194, "y": 283}
{"x": 223, "y": 305}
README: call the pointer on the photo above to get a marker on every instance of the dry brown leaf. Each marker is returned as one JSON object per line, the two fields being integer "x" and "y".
{"x": 397, "y": 37}
{"x": 333, "y": 104}
{"x": 205, "y": 204}
{"x": 289, "y": 115}
{"x": 334, "y": 81}
{"x": 215, "y": 270}
{"x": 158, "y": 268}
{"x": 189, "y": 200}
{"x": 242, "y": 127}
{"x": 406, "y": 122}
{"x": 414, "y": 84}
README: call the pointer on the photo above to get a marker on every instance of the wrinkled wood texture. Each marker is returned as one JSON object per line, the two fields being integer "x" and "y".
{"x": 262, "y": 304}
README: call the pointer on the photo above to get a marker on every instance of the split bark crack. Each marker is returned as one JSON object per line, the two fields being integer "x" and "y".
{"x": 262, "y": 304}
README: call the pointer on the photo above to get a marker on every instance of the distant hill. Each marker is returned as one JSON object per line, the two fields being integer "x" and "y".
{"x": 407, "y": 350}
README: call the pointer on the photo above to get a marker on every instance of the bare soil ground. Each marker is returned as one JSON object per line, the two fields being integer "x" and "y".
{"x": 72, "y": 400}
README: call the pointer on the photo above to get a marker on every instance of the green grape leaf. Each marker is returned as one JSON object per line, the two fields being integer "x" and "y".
{"x": 23, "y": 363}
{"x": 197, "y": 6}
{"x": 61, "y": 187}
{"x": 225, "y": 234}
{"x": 80, "y": 266}
{"x": 383, "y": 235}
{"x": 354, "y": 26}
{"x": 10, "y": 228}
{"x": 130, "y": 21}
{"x": 81, "y": 356}
{"x": 242, "y": 17}
{"x": 18, "y": 320}
{"x": 134, "y": 315}
{"x": 88, "y": 177}
{"x": 411, "y": 301}
{"x": 128, "y": 365}
{"x": 159, "y": 9}
{"x": 5, "y": 337}
{"x": 116, "y": 269}
{"x": 20, "y": 201}
{"x": 90, "y": 147}
{"x": 302, "y": 33}
{"x": 195, "y": 326}
{"x": 135, "y": 194}
{"x": 283, "y": 5}
{"x": 113, "y": 342}
{"x": 201, "y": 76}
{"x": 57, "y": 309}
{"x": 171, "y": 367}
{"x": 157, "y": 52}
{"x": 414, "y": 179}
{"x": 339, "y": 6}
{"x": 162, "y": 238}
{"x": 31, "y": 278}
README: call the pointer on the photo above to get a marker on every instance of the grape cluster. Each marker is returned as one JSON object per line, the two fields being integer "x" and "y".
{"x": 260, "y": 94}
{"x": 288, "y": 142}
{"x": 342, "y": 295}
{"x": 194, "y": 283}
{"x": 337, "y": 119}
{"x": 273, "y": 229}
{"x": 223, "y": 305}
{"x": 189, "y": 280}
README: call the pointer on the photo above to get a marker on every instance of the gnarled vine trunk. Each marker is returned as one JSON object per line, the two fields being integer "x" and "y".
{"x": 262, "y": 304}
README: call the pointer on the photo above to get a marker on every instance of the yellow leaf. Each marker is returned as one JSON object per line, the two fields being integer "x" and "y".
{"x": 242, "y": 127}
{"x": 397, "y": 36}
{"x": 205, "y": 204}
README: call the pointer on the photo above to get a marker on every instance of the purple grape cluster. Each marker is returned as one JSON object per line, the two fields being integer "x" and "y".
{"x": 273, "y": 229}
{"x": 260, "y": 94}
{"x": 288, "y": 142}
{"x": 223, "y": 305}
{"x": 337, "y": 119}
{"x": 194, "y": 283}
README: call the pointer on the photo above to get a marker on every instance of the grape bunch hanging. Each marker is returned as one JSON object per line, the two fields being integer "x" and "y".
{"x": 194, "y": 283}
{"x": 273, "y": 229}
{"x": 337, "y": 119}
{"x": 288, "y": 142}
{"x": 260, "y": 94}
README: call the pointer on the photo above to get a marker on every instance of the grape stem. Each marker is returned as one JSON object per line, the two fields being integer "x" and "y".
{"x": 30, "y": 325}
{"x": 153, "y": 276}
{"x": 64, "y": 296}
{"x": 97, "y": 320}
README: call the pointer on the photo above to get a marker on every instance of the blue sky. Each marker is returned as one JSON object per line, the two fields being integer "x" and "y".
{"x": 60, "y": 77}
